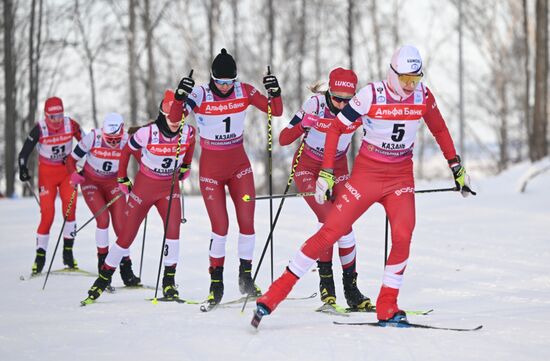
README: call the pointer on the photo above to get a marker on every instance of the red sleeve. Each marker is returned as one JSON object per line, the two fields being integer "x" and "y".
{"x": 438, "y": 128}
{"x": 260, "y": 101}
{"x": 70, "y": 164}
{"x": 289, "y": 135}
{"x": 331, "y": 142}
{"x": 77, "y": 131}
{"x": 125, "y": 158}
{"x": 188, "y": 158}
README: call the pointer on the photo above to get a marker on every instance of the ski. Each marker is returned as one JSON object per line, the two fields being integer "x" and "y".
{"x": 206, "y": 306}
{"x": 373, "y": 309}
{"x": 405, "y": 324}
{"x": 60, "y": 272}
{"x": 112, "y": 289}
{"x": 174, "y": 299}
{"x": 333, "y": 309}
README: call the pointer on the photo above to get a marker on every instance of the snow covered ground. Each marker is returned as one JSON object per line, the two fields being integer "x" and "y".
{"x": 482, "y": 260}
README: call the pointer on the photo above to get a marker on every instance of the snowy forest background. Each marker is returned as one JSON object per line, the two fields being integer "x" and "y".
{"x": 104, "y": 55}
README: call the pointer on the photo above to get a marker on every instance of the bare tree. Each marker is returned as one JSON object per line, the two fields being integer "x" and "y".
{"x": 34, "y": 55}
{"x": 10, "y": 89}
{"x": 539, "y": 146}
{"x": 151, "y": 84}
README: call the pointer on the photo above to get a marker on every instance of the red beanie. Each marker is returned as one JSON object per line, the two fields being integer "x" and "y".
{"x": 342, "y": 81}
{"x": 53, "y": 105}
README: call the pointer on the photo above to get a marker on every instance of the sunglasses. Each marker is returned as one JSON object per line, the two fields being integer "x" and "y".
{"x": 408, "y": 78}
{"x": 340, "y": 99}
{"x": 112, "y": 140}
{"x": 58, "y": 116}
{"x": 223, "y": 81}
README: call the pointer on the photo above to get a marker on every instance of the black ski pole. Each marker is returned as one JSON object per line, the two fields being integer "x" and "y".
{"x": 269, "y": 237}
{"x": 170, "y": 197}
{"x": 69, "y": 207}
{"x": 270, "y": 168}
{"x": 29, "y": 186}
{"x": 142, "y": 246}
{"x": 183, "y": 219}
{"x": 248, "y": 198}
{"x": 101, "y": 210}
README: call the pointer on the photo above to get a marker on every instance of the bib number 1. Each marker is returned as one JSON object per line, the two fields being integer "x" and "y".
{"x": 227, "y": 122}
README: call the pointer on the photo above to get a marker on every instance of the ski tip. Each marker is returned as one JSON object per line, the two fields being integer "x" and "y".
{"x": 246, "y": 198}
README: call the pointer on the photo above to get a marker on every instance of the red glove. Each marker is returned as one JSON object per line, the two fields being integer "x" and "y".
{"x": 76, "y": 179}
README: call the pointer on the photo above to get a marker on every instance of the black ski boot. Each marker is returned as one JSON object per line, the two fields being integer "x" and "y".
{"x": 216, "y": 285}
{"x": 39, "y": 262}
{"x": 326, "y": 282}
{"x": 127, "y": 275}
{"x": 169, "y": 288}
{"x": 246, "y": 284}
{"x": 68, "y": 259}
{"x": 356, "y": 300}
{"x": 100, "y": 283}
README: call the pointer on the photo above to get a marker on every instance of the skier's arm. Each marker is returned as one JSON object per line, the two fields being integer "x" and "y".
{"x": 28, "y": 146}
{"x": 302, "y": 120}
{"x": 260, "y": 101}
{"x": 77, "y": 130}
{"x": 436, "y": 125}
{"x": 80, "y": 150}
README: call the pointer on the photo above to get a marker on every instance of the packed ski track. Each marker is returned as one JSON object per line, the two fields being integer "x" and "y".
{"x": 478, "y": 261}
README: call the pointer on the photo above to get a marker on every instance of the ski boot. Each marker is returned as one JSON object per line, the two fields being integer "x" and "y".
{"x": 246, "y": 284}
{"x": 216, "y": 285}
{"x": 39, "y": 262}
{"x": 169, "y": 288}
{"x": 68, "y": 259}
{"x": 354, "y": 297}
{"x": 99, "y": 285}
{"x": 326, "y": 282}
{"x": 127, "y": 275}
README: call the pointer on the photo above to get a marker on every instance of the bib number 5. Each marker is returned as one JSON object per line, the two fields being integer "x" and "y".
{"x": 398, "y": 132}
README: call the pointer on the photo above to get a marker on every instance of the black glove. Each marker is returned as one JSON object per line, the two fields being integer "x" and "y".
{"x": 24, "y": 174}
{"x": 185, "y": 87}
{"x": 272, "y": 85}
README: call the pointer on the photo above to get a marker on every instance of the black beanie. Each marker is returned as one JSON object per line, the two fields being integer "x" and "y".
{"x": 223, "y": 66}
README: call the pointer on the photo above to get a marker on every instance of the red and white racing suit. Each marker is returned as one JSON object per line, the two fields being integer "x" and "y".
{"x": 383, "y": 173}
{"x": 157, "y": 155}
{"x": 54, "y": 145}
{"x": 309, "y": 165}
{"x": 101, "y": 186}
{"x": 223, "y": 161}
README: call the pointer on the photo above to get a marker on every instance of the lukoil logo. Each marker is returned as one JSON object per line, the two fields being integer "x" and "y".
{"x": 398, "y": 192}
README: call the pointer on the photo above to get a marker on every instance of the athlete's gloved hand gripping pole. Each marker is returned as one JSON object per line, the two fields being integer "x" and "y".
{"x": 184, "y": 88}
